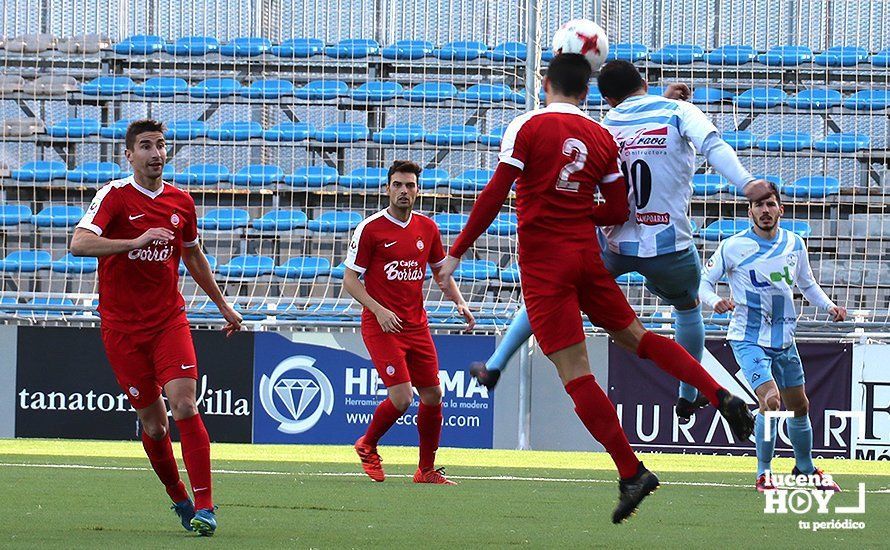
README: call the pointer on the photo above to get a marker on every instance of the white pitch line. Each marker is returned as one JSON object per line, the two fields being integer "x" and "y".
{"x": 358, "y": 474}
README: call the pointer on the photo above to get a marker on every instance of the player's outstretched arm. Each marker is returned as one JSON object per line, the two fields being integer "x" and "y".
{"x": 199, "y": 268}
{"x": 615, "y": 210}
{"x": 87, "y": 243}
{"x": 811, "y": 290}
{"x": 451, "y": 291}
{"x": 388, "y": 320}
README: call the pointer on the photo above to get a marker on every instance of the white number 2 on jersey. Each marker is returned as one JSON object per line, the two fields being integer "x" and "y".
{"x": 572, "y": 148}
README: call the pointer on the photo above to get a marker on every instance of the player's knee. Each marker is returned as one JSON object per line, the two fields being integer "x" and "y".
{"x": 432, "y": 395}
{"x": 156, "y": 431}
{"x": 184, "y": 408}
{"x": 772, "y": 402}
{"x": 401, "y": 397}
{"x": 802, "y": 408}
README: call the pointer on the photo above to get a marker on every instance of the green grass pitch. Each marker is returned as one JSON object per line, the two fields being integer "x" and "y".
{"x": 86, "y": 494}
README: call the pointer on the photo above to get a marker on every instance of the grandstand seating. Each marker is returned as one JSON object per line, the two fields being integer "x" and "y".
{"x": 193, "y": 46}
{"x": 246, "y": 46}
{"x": 407, "y": 50}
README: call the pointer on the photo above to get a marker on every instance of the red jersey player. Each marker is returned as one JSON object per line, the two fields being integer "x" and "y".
{"x": 558, "y": 157}
{"x": 139, "y": 227}
{"x": 392, "y": 249}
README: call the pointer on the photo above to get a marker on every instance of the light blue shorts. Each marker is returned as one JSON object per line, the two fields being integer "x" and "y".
{"x": 760, "y": 364}
{"x": 672, "y": 277}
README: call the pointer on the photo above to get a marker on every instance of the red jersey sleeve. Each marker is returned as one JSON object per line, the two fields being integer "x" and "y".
{"x": 358, "y": 257}
{"x": 101, "y": 212}
{"x": 190, "y": 227}
{"x": 437, "y": 251}
{"x": 515, "y": 143}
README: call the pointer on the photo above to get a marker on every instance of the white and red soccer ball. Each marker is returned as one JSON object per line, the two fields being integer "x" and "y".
{"x": 585, "y": 37}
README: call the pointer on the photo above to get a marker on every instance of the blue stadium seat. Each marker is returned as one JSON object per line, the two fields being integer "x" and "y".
{"x": 762, "y": 98}
{"x": 628, "y": 52}
{"x": 14, "y": 214}
{"x": 116, "y": 130}
{"x": 322, "y": 90}
{"x": 284, "y": 219}
{"x": 881, "y": 59}
{"x": 842, "y": 143}
{"x": 486, "y": 93}
{"x": 400, "y": 134}
{"x": 841, "y": 56}
{"x": 75, "y": 128}
{"x": 594, "y": 98}
{"x": 739, "y": 140}
{"x": 108, "y": 86}
{"x": 224, "y": 219}
{"x": 211, "y": 259}
{"x": 431, "y": 92}
{"x": 75, "y": 264}
{"x": 27, "y": 261}
{"x": 338, "y": 271}
{"x": 476, "y": 270}
{"x": 170, "y": 174}
{"x": 704, "y": 185}
{"x": 630, "y": 279}
{"x": 140, "y": 44}
{"x": 304, "y": 267}
{"x": 721, "y": 229}
{"x": 335, "y": 221}
{"x": 815, "y": 98}
{"x": 450, "y": 224}
{"x": 58, "y": 215}
{"x": 731, "y": 54}
{"x": 193, "y": 46}
{"x": 204, "y": 174}
{"x": 510, "y": 274}
{"x": 677, "y": 54}
{"x": 364, "y": 178}
{"x": 815, "y": 187}
{"x": 508, "y": 51}
{"x": 546, "y": 55}
{"x": 343, "y": 132}
{"x": 786, "y": 141}
{"x": 432, "y": 178}
{"x": 96, "y": 172}
{"x": 461, "y": 50}
{"x": 329, "y": 312}
{"x": 40, "y": 170}
{"x": 186, "y": 129}
{"x": 868, "y": 100}
{"x": 493, "y": 138}
{"x": 238, "y": 130}
{"x": 710, "y": 95}
{"x": 801, "y": 227}
{"x": 504, "y": 225}
{"x": 407, "y": 49}
{"x": 376, "y": 90}
{"x": 710, "y": 326}
{"x": 246, "y": 46}
{"x": 312, "y": 177}
{"x": 786, "y": 56}
{"x": 472, "y": 180}
{"x": 353, "y": 48}
{"x": 452, "y": 135}
{"x": 290, "y": 131}
{"x": 215, "y": 88}
{"x": 299, "y": 48}
{"x": 268, "y": 89}
{"x": 162, "y": 86}
{"x": 258, "y": 175}
{"x": 52, "y": 301}
{"x": 248, "y": 265}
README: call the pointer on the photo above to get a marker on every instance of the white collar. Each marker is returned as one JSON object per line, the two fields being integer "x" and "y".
{"x": 560, "y": 107}
{"x": 400, "y": 223}
{"x": 148, "y": 193}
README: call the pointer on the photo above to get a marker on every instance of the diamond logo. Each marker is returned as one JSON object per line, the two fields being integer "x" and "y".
{"x": 296, "y": 394}
{"x": 289, "y": 394}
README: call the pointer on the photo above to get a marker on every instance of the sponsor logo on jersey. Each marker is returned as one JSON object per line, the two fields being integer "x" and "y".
{"x": 152, "y": 253}
{"x": 774, "y": 277}
{"x": 136, "y": 217}
{"x": 645, "y": 139}
{"x": 390, "y": 370}
{"x": 174, "y": 219}
{"x": 134, "y": 391}
{"x": 387, "y": 245}
{"x": 653, "y": 218}
{"x": 403, "y": 270}
{"x": 419, "y": 244}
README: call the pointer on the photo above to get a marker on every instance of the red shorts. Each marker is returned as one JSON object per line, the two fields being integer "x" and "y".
{"x": 403, "y": 357}
{"x": 144, "y": 362}
{"x": 555, "y": 288}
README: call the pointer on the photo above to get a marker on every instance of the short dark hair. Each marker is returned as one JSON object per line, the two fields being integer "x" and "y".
{"x": 773, "y": 191}
{"x": 569, "y": 74}
{"x": 141, "y": 126}
{"x": 619, "y": 79}
{"x": 404, "y": 166}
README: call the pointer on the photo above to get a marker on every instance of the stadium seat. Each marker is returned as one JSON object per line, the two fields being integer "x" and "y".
{"x": 27, "y": 261}
{"x": 299, "y": 48}
{"x": 268, "y": 89}
{"x": 116, "y": 130}
{"x": 186, "y": 129}
{"x": 801, "y": 227}
{"x": 815, "y": 98}
{"x": 407, "y": 50}
{"x": 21, "y": 127}
{"x": 432, "y": 178}
{"x": 815, "y": 187}
{"x": 546, "y": 55}
{"x": 452, "y": 135}
{"x": 504, "y": 225}
{"x": 461, "y": 50}
{"x": 842, "y": 143}
{"x": 248, "y": 265}
{"x": 162, "y": 86}
{"x": 258, "y": 175}
{"x": 51, "y": 301}
{"x": 211, "y": 259}
{"x": 739, "y": 140}
{"x": 450, "y": 224}
{"x": 710, "y": 95}
{"x": 868, "y": 100}
{"x": 108, "y": 86}
{"x": 343, "y": 132}
{"x": 204, "y": 174}
{"x": 10, "y": 84}
{"x": 238, "y": 130}
{"x": 312, "y": 177}
{"x": 140, "y": 44}
{"x": 83, "y": 44}
{"x": 40, "y": 170}
{"x": 193, "y": 46}
{"x": 343, "y": 312}
{"x": 628, "y": 52}
{"x": 215, "y": 88}
{"x": 721, "y": 229}
{"x": 881, "y": 59}
{"x": 31, "y": 43}
{"x": 594, "y": 98}
{"x": 75, "y": 128}
{"x": 322, "y": 90}
{"x": 335, "y": 221}
{"x": 290, "y": 131}
{"x": 224, "y": 219}
{"x": 284, "y": 219}
{"x": 786, "y": 141}
{"x": 493, "y": 138}
{"x": 677, "y": 54}
{"x": 364, "y": 178}
{"x": 710, "y": 326}
{"x": 476, "y": 270}
{"x": 704, "y": 185}
{"x": 472, "y": 180}
{"x": 375, "y": 90}
{"x": 400, "y": 134}
{"x": 353, "y": 48}
{"x": 96, "y": 172}
{"x": 14, "y": 214}
{"x": 508, "y": 51}
{"x": 431, "y": 92}
{"x": 58, "y": 215}
{"x": 630, "y": 279}
{"x": 246, "y": 46}
{"x": 786, "y": 56}
{"x": 303, "y": 267}
{"x": 170, "y": 174}
{"x": 731, "y": 54}
{"x": 510, "y": 274}
{"x": 841, "y": 56}
{"x": 338, "y": 271}
{"x": 761, "y": 98}
{"x": 75, "y": 264}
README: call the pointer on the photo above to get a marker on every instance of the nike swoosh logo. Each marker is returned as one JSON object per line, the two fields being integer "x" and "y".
{"x": 196, "y": 489}
{"x": 387, "y": 245}
{"x": 136, "y": 217}
{"x": 186, "y": 367}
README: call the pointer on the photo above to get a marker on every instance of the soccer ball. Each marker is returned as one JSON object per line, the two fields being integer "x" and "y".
{"x": 585, "y": 37}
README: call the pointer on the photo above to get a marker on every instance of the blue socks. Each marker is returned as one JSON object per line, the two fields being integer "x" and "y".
{"x": 764, "y": 449}
{"x": 800, "y": 432}
{"x": 517, "y": 333}
{"x": 689, "y": 332}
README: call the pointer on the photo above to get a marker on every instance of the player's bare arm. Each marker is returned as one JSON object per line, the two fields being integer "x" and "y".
{"x": 449, "y": 287}
{"x": 86, "y": 243}
{"x": 388, "y": 320}
{"x": 199, "y": 268}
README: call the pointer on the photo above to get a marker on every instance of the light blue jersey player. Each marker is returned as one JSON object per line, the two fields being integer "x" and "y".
{"x": 657, "y": 140}
{"x": 762, "y": 265}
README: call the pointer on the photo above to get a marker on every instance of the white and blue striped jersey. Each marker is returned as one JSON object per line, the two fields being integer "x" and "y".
{"x": 761, "y": 276}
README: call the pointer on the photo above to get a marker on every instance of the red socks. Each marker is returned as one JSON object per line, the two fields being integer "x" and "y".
{"x": 160, "y": 454}
{"x": 599, "y": 417}
{"x": 676, "y": 361}
{"x": 196, "y": 455}
{"x": 384, "y": 417}
{"x": 429, "y": 427}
